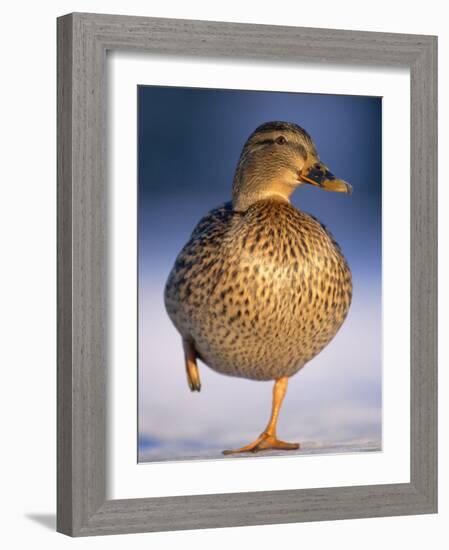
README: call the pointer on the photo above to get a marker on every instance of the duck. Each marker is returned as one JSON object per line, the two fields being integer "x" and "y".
{"x": 261, "y": 287}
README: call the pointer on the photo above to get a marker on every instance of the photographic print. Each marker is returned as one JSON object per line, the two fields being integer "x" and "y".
{"x": 260, "y": 273}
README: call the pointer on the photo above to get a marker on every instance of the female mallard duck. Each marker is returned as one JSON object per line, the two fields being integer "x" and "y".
{"x": 261, "y": 287}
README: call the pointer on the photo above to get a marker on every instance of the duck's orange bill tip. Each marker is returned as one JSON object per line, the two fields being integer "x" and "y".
{"x": 335, "y": 185}
{"x": 338, "y": 186}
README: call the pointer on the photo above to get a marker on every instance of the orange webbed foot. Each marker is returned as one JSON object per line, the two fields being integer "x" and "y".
{"x": 264, "y": 442}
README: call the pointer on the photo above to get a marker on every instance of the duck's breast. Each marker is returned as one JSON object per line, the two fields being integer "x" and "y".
{"x": 262, "y": 294}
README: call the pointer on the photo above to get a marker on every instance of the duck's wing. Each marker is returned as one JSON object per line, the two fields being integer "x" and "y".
{"x": 204, "y": 250}
{"x": 190, "y": 282}
{"x": 197, "y": 267}
{"x": 214, "y": 223}
{"x": 206, "y": 241}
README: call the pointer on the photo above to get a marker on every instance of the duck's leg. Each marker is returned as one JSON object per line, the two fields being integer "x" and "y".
{"x": 268, "y": 439}
{"x": 190, "y": 355}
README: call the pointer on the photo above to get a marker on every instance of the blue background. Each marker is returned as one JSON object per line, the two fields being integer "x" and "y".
{"x": 189, "y": 141}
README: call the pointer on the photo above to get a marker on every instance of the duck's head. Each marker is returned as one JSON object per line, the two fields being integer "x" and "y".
{"x": 276, "y": 159}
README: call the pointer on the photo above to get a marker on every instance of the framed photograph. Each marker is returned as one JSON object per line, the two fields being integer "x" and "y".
{"x": 247, "y": 283}
{"x": 245, "y": 319}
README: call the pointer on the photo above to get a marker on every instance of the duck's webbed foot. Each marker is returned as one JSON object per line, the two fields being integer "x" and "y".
{"x": 193, "y": 374}
{"x": 264, "y": 442}
{"x": 267, "y": 439}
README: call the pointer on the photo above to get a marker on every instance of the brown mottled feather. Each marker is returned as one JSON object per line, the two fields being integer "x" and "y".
{"x": 261, "y": 292}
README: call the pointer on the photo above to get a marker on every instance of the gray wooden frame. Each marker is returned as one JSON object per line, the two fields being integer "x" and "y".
{"x": 83, "y": 40}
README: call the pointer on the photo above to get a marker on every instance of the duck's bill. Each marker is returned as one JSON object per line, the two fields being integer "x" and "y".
{"x": 321, "y": 177}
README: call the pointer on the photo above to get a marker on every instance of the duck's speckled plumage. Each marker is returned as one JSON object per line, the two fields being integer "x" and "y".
{"x": 259, "y": 293}
{"x": 261, "y": 287}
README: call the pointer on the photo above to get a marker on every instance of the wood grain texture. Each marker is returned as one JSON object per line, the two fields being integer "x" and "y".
{"x": 83, "y": 40}
{"x": 64, "y": 277}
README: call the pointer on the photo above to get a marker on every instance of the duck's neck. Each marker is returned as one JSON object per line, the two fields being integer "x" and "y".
{"x": 249, "y": 190}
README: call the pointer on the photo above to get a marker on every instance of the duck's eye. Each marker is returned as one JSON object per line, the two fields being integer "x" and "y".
{"x": 281, "y": 140}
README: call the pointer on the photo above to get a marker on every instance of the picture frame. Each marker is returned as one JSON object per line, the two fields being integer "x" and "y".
{"x": 82, "y": 505}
